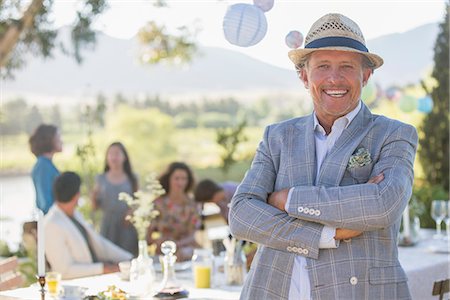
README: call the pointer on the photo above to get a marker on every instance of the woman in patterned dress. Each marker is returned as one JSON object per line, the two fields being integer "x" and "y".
{"x": 179, "y": 216}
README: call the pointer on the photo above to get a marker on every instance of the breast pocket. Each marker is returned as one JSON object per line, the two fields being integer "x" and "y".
{"x": 360, "y": 174}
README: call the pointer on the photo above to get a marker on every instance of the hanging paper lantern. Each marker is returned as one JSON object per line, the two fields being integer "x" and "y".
{"x": 294, "y": 39}
{"x": 244, "y": 25}
{"x": 425, "y": 104}
{"x": 393, "y": 93}
{"x": 407, "y": 104}
{"x": 264, "y": 5}
{"x": 369, "y": 93}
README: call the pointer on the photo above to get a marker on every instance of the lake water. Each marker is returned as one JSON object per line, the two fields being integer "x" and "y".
{"x": 17, "y": 205}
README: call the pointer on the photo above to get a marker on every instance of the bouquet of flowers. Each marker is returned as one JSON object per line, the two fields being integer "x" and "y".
{"x": 141, "y": 205}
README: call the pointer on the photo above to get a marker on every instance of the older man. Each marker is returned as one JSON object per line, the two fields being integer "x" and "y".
{"x": 325, "y": 193}
{"x": 72, "y": 247}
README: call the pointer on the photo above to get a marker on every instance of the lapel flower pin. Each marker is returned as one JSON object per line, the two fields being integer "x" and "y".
{"x": 360, "y": 158}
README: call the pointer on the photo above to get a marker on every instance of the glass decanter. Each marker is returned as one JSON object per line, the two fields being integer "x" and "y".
{"x": 171, "y": 289}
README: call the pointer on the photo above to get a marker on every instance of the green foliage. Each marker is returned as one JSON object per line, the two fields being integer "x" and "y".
{"x": 434, "y": 136}
{"x": 33, "y": 120}
{"x": 158, "y": 45}
{"x": 146, "y": 133}
{"x": 15, "y": 114}
{"x": 214, "y": 120}
{"x": 235, "y": 173}
{"x": 186, "y": 120}
{"x": 424, "y": 195}
{"x": 229, "y": 139}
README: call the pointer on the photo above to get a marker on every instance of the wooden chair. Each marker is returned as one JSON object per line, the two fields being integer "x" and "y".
{"x": 440, "y": 288}
{"x": 10, "y": 278}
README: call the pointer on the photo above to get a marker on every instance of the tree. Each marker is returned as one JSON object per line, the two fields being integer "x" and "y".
{"x": 14, "y": 115}
{"x": 434, "y": 139}
{"x": 56, "y": 118}
{"x": 34, "y": 119}
{"x": 229, "y": 139}
{"x": 26, "y": 27}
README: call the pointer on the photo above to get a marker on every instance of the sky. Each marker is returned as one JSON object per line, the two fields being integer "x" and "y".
{"x": 124, "y": 18}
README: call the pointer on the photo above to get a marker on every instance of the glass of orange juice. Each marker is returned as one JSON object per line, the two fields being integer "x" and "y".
{"x": 202, "y": 265}
{"x": 53, "y": 280}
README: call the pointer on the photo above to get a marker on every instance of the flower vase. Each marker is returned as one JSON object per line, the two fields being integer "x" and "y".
{"x": 142, "y": 273}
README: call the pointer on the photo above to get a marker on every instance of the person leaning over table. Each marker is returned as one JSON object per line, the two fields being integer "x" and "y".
{"x": 72, "y": 247}
{"x": 325, "y": 193}
{"x": 208, "y": 190}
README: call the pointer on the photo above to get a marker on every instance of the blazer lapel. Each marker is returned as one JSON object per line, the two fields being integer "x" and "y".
{"x": 335, "y": 163}
{"x": 303, "y": 157}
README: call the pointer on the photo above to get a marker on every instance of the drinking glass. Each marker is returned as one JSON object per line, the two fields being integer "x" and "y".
{"x": 53, "y": 283}
{"x": 438, "y": 212}
{"x": 447, "y": 220}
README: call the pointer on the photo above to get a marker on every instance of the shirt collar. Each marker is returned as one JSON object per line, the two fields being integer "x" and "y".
{"x": 348, "y": 117}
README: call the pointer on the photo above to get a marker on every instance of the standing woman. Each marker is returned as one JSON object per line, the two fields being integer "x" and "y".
{"x": 179, "y": 214}
{"x": 44, "y": 143}
{"x": 118, "y": 177}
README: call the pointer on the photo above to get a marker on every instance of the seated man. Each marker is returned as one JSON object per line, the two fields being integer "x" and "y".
{"x": 72, "y": 247}
{"x": 209, "y": 191}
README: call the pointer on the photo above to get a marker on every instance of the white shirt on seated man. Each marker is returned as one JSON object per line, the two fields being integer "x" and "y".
{"x": 72, "y": 247}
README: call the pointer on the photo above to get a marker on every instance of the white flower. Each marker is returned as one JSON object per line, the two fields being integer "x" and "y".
{"x": 360, "y": 158}
{"x": 141, "y": 205}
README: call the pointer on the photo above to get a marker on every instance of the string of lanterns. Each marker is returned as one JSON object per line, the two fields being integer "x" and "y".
{"x": 245, "y": 25}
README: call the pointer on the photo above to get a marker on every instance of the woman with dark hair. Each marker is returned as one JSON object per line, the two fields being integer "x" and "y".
{"x": 179, "y": 215}
{"x": 44, "y": 143}
{"x": 117, "y": 177}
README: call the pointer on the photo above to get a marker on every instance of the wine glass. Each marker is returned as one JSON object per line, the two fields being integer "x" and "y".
{"x": 447, "y": 220}
{"x": 438, "y": 212}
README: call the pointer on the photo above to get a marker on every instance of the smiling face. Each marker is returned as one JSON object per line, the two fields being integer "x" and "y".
{"x": 335, "y": 80}
{"x": 178, "y": 181}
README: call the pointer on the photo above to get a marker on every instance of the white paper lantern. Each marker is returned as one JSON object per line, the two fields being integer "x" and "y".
{"x": 265, "y": 5}
{"x": 244, "y": 25}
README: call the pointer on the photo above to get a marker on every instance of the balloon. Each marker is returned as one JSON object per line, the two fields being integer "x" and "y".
{"x": 244, "y": 25}
{"x": 265, "y": 5}
{"x": 393, "y": 93}
{"x": 369, "y": 93}
{"x": 425, "y": 104}
{"x": 407, "y": 104}
{"x": 294, "y": 39}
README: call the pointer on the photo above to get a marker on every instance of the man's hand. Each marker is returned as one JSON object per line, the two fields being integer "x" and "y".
{"x": 343, "y": 234}
{"x": 376, "y": 179}
{"x": 278, "y": 199}
{"x": 110, "y": 268}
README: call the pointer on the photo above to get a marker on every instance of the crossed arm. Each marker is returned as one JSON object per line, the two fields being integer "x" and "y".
{"x": 371, "y": 206}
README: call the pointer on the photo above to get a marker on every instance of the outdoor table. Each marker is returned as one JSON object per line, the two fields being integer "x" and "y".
{"x": 426, "y": 262}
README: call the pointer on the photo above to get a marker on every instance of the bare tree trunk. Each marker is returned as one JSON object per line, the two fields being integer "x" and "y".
{"x": 12, "y": 34}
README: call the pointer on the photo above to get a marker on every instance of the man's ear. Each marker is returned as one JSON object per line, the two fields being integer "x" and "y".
{"x": 366, "y": 75}
{"x": 76, "y": 197}
{"x": 304, "y": 77}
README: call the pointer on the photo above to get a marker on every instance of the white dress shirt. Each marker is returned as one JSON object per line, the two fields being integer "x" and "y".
{"x": 300, "y": 288}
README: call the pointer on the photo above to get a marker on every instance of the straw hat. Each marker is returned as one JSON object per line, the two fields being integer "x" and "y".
{"x": 335, "y": 32}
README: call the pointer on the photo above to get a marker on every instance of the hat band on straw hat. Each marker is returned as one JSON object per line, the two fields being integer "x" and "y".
{"x": 336, "y": 41}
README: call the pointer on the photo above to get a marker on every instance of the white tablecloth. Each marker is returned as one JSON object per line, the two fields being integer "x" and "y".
{"x": 426, "y": 262}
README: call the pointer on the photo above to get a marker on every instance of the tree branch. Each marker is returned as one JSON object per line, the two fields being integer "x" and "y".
{"x": 12, "y": 34}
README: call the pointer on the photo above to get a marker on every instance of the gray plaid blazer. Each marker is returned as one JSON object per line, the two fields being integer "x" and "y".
{"x": 365, "y": 267}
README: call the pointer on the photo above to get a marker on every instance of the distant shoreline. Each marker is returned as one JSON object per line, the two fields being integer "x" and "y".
{"x": 13, "y": 173}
